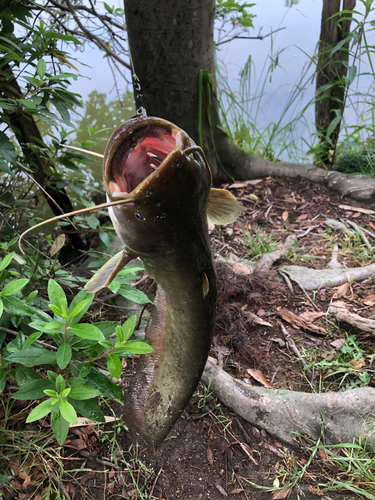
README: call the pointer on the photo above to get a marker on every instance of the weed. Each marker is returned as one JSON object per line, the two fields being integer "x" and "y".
{"x": 204, "y": 395}
{"x": 259, "y": 244}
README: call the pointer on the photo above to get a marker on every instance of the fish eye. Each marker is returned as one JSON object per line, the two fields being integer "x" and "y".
{"x": 139, "y": 216}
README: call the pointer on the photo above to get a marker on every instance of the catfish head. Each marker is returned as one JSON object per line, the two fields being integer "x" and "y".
{"x": 165, "y": 174}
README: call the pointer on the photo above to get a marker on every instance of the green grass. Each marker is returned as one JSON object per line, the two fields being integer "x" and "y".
{"x": 259, "y": 244}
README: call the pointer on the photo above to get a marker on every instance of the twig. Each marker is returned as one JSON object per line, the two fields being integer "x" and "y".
{"x": 294, "y": 348}
{"x": 301, "y": 287}
{"x": 307, "y": 231}
{"x": 259, "y": 37}
{"x": 153, "y": 486}
{"x": 53, "y": 476}
{"x": 12, "y": 332}
{"x": 104, "y": 461}
{"x": 360, "y": 232}
{"x": 287, "y": 280}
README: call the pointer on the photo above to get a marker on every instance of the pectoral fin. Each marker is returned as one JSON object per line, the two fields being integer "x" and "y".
{"x": 222, "y": 207}
{"x": 107, "y": 273}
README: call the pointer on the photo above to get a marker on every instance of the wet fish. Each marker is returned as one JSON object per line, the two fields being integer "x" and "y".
{"x": 166, "y": 176}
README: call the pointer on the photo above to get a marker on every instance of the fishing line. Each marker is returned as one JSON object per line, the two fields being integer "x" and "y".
{"x": 141, "y": 110}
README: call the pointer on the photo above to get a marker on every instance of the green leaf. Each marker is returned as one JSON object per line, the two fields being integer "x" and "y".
{"x": 93, "y": 221}
{"x": 40, "y": 411}
{"x": 106, "y": 387}
{"x": 51, "y": 393}
{"x": 63, "y": 355}
{"x": 57, "y": 311}
{"x": 65, "y": 392}
{"x": 33, "y": 356}
{"x": 57, "y": 296}
{"x": 1, "y": 308}
{"x": 89, "y": 408}
{"x": 14, "y": 286}
{"x": 31, "y": 339}
{"x": 52, "y": 376}
{"x": 80, "y": 297}
{"x": 128, "y": 327}
{"x": 25, "y": 376}
{"x": 8, "y": 152}
{"x": 76, "y": 381}
{"x": 34, "y": 390}
{"x": 68, "y": 412}
{"x": 133, "y": 294}
{"x": 119, "y": 334}
{"x": 105, "y": 238}
{"x": 17, "y": 307}
{"x": 78, "y": 308}
{"x": 114, "y": 365}
{"x": 332, "y": 126}
{"x": 3, "y": 379}
{"x": 87, "y": 331}
{"x": 83, "y": 392}
{"x": 59, "y": 425}
{"x": 60, "y": 383}
{"x": 352, "y": 74}
{"x": 107, "y": 327}
{"x": 138, "y": 347}
{"x": 41, "y": 68}
{"x": 27, "y": 104}
{"x": 106, "y": 343}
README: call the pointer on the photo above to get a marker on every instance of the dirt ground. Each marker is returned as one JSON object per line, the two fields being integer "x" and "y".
{"x": 211, "y": 453}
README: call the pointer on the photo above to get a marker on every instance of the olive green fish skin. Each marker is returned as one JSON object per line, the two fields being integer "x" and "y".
{"x": 166, "y": 226}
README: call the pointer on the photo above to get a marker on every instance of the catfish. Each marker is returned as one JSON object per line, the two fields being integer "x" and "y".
{"x": 166, "y": 178}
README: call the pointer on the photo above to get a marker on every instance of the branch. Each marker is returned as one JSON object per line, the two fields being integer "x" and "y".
{"x": 258, "y": 37}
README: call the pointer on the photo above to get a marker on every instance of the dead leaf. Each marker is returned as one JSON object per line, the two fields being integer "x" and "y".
{"x": 338, "y": 343}
{"x": 298, "y": 322}
{"x": 221, "y": 489}
{"x": 86, "y": 421}
{"x": 311, "y": 316}
{"x": 372, "y": 225}
{"x": 241, "y": 269}
{"x": 302, "y": 217}
{"x": 261, "y": 313}
{"x": 357, "y": 364}
{"x": 258, "y": 375}
{"x": 285, "y": 216}
{"x": 357, "y": 209}
{"x": 284, "y": 493}
{"x": 236, "y": 490}
{"x": 57, "y": 244}
{"x": 355, "y": 216}
{"x": 27, "y": 482}
{"x": 87, "y": 476}
{"x": 210, "y": 456}
{"x": 342, "y": 290}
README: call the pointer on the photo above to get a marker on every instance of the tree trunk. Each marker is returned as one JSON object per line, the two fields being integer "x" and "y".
{"x": 170, "y": 44}
{"x": 27, "y": 132}
{"x": 331, "y": 70}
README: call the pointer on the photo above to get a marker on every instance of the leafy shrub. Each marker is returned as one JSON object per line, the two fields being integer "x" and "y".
{"x": 63, "y": 369}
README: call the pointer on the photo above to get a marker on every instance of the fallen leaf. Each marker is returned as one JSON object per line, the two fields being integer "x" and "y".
{"x": 87, "y": 476}
{"x": 357, "y": 364}
{"x": 261, "y": 313}
{"x": 241, "y": 269}
{"x": 86, "y": 421}
{"x": 236, "y": 490}
{"x": 258, "y": 375}
{"x": 210, "y": 456}
{"x": 342, "y": 290}
{"x": 276, "y": 483}
{"x": 221, "y": 489}
{"x": 284, "y": 493}
{"x": 22, "y": 474}
{"x": 311, "y": 316}
{"x": 285, "y": 216}
{"x": 355, "y": 216}
{"x": 298, "y": 322}
{"x": 57, "y": 244}
{"x": 302, "y": 217}
{"x": 253, "y": 197}
{"x": 338, "y": 343}
{"x": 372, "y": 225}
{"x": 130, "y": 493}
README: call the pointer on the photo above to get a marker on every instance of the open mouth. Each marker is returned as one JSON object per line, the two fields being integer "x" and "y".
{"x": 140, "y": 155}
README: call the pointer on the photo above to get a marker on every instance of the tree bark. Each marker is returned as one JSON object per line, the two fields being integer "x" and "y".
{"x": 170, "y": 43}
{"x": 331, "y": 69}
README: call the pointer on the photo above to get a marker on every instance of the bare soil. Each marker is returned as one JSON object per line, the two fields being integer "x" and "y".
{"x": 212, "y": 453}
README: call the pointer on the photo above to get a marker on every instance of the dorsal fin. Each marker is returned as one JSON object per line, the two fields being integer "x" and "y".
{"x": 108, "y": 272}
{"x": 222, "y": 207}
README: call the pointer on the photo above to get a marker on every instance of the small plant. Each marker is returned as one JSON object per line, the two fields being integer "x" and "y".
{"x": 202, "y": 401}
{"x": 260, "y": 243}
{"x": 64, "y": 367}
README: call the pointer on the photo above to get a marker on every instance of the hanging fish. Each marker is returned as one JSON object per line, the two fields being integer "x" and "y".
{"x": 167, "y": 180}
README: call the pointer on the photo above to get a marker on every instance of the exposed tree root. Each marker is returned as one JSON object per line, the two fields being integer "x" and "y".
{"x": 315, "y": 279}
{"x": 342, "y": 313}
{"x": 341, "y": 416}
